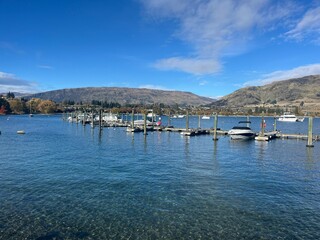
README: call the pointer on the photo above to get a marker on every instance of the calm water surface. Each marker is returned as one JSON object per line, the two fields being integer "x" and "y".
{"x": 66, "y": 181}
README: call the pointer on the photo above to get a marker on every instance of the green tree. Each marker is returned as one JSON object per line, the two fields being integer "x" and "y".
{"x": 4, "y": 106}
{"x": 10, "y": 95}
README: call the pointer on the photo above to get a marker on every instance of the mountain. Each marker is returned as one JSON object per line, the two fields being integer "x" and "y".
{"x": 295, "y": 92}
{"x": 16, "y": 94}
{"x": 123, "y": 96}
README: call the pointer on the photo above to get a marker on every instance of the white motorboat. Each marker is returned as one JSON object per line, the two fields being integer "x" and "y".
{"x": 140, "y": 122}
{"x": 206, "y": 117}
{"x": 109, "y": 117}
{"x": 241, "y": 132}
{"x": 287, "y": 117}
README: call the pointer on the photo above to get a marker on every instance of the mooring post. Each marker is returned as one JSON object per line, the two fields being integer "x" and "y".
{"x": 132, "y": 118}
{"x": 275, "y": 124}
{"x": 199, "y": 121}
{"x": 310, "y": 142}
{"x": 71, "y": 115}
{"x": 145, "y": 124}
{"x": 100, "y": 119}
{"x": 169, "y": 119}
{"x": 262, "y": 124}
{"x": 215, "y": 127}
{"x": 248, "y": 120}
{"x": 187, "y": 121}
{"x": 84, "y": 118}
{"x": 92, "y": 119}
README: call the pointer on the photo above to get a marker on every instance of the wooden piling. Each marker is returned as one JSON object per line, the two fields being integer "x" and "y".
{"x": 215, "y": 127}
{"x": 145, "y": 124}
{"x": 275, "y": 124}
{"x": 132, "y": 119}
{"x": 92, "y": 119}
{"x": 84, "y": 118}
{"x": 310, "y": 125}
{"x": 100, "y": 119}
{"x": 262, "y": 124}
{"x": 71, "y": 115}
{"x": 199, "y": 121}
{"x": 187, "y": 121}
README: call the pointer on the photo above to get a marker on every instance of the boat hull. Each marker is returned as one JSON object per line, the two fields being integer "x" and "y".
{"x": 241, "y": 134}
{"x": 290, "y": 118}
{"x": 287, "y": 119}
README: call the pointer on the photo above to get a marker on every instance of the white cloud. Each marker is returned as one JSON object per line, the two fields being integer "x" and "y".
{"x": 9, "y": 82}
{"x": 189, "y": 65}
{"x": 203, "y": 83}
{"x": 308, "y": 26}
{"x": 215, "y": 28}
{"x": 313, "y": 69}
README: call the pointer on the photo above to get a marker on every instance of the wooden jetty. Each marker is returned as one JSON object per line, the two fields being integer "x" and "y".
{"x": 138, "y": 127}
{"x": 297, "y": 136}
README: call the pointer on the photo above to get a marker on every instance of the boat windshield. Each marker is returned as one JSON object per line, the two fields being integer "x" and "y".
{"x": 240, "y": 127}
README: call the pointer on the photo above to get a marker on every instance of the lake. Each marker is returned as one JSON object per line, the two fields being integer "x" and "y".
{"x": 67, "y": 181}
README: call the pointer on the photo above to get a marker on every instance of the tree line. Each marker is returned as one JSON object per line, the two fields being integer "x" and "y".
{"x": 11, "y": 105}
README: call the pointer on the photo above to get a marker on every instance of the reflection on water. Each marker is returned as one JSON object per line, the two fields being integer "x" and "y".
{"x": 67, "y": 181}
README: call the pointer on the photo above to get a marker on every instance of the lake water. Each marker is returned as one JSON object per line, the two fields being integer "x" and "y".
{"x": 66, "y": 181}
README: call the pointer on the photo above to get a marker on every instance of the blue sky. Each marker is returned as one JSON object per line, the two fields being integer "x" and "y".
{"x": 208, "y": 47}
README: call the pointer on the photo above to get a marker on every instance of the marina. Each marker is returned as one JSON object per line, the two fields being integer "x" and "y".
{"x": 236, "y": 132}
{"x": 160, "y": 120}
{"x": 64, "y": 180}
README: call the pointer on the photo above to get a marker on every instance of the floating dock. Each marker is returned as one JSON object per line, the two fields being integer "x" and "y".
{"x": 262, "y": 136}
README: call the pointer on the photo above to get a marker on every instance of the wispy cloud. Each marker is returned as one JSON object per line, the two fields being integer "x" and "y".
{"x": 215, "y": 28}
{"x": 10, "y": 47}
{"x": 202, "y": 83}
{"x": 9, "y": 82}
{"x": 307, "y": 27}
{"x": 45, "y": 67}
{"x": 313, "y": 69}
{"x": 189, "y": 65}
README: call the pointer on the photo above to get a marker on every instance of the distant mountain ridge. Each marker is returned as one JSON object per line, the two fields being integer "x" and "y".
{"x": 124, "y": 96}
{"x": 304, "y": 90}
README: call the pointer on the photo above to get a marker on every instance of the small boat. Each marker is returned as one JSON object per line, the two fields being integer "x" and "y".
{"x": 140, "y": 122}
{"x": 109, "y": 117}
{"x": 181, "y": 116}
{"x": 205, "y": 117}
{"x": 287, "y": 117}
{"x": 188, "y": 133}
{"x": 21, "y": 132}
{"x": 135, "y": 129}
{"x": 241, "y": 132}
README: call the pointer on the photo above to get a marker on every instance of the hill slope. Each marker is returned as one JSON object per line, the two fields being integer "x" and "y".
{"x": 123, "y": 96}
{"x": 287, "y": 92}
